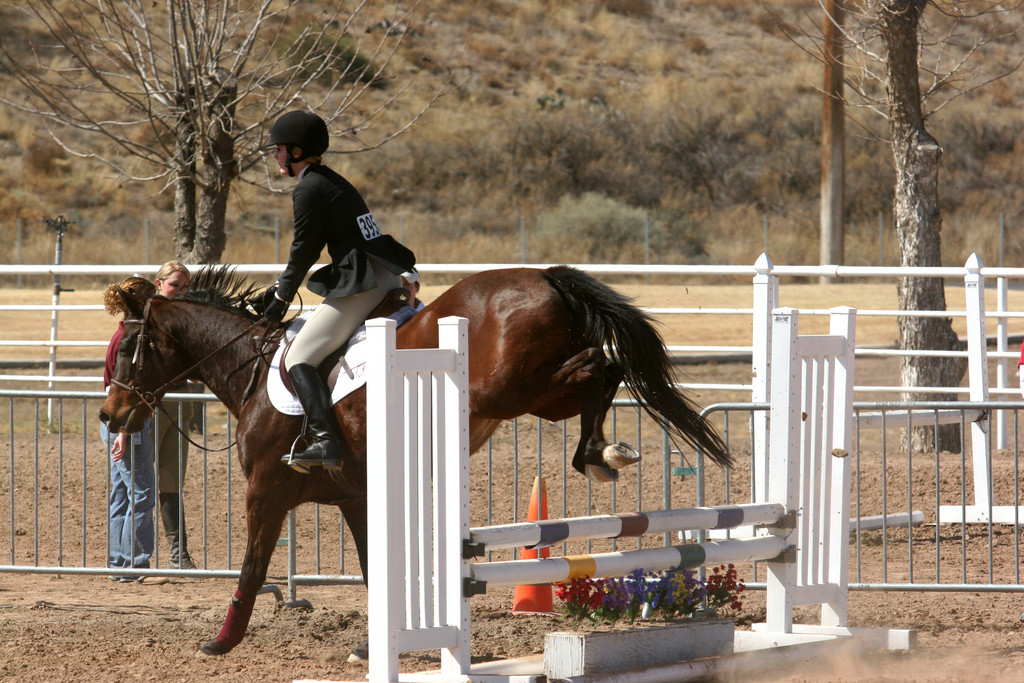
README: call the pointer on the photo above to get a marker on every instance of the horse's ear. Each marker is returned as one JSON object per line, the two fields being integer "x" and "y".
{"x": 133, "y": 305}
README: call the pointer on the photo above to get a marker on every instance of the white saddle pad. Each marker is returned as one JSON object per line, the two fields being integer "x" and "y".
{"x": 352, "y": 374}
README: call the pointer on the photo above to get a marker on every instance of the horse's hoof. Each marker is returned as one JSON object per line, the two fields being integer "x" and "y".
{"x": 360, "y": 654}
{"x": 619, "y": 455}
{"x": 601, "y": 474}
{"x": 214, "y": 648}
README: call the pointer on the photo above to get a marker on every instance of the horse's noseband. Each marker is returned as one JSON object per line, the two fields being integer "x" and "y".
{"x": 138, "y": 360}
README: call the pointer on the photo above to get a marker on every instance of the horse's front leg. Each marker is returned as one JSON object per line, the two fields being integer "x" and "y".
{"x": 354, "y": 512}
{"x": 265, "y": 515}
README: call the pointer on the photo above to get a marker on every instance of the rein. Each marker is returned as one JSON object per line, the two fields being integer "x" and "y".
{"x": 149, "y": 397}
{"x": 188, "y": 438}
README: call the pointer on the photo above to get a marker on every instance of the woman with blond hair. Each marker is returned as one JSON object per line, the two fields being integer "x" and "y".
{"x": 172, "y": 280}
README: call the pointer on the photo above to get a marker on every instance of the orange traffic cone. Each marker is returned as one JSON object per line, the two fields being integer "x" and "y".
{"x": 535, "y": 598}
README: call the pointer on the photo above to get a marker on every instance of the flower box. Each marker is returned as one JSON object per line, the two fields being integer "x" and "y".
{"x": 568, "y": 654}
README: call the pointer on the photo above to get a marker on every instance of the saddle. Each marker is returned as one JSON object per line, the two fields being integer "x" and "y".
{"x": 331, "y": 366}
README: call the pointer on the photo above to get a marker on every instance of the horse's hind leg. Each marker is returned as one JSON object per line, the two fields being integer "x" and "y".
{"x": 265, "y": 514}
{"x": 591, "y": 382}
{"x": 593, "y": 451}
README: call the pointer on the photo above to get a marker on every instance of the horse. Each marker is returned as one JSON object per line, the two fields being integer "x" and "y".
{"x": 553, "y": 343}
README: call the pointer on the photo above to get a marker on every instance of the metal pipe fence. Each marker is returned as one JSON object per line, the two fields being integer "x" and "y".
{"x": 55, "y": 480}
{"x": 54, "y": 484}
{"x": 899, "y": 498}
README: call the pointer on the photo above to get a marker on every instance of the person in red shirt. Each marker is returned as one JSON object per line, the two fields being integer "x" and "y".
{"x": 131, "y": 503}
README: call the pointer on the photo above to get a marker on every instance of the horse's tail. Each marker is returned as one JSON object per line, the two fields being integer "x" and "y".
{"x": 628, "y": 334}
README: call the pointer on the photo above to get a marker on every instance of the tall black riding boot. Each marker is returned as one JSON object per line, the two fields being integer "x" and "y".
{"x": 176, "y": 536}
{"x": 324, "y": 449}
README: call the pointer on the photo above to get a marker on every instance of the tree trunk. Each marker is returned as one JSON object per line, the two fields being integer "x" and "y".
{"x": 185, "y": 189}
{"x": 200, "y": 221}
{"x": 918, "y": 221}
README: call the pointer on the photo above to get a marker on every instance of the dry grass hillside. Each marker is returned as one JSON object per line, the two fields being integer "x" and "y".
{"x": 586, "y": 122}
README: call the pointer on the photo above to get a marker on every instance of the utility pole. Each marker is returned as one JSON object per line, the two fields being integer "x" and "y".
{"x": 832, "y": 142}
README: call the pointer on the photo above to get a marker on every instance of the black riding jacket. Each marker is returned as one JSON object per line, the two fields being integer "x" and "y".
{"x": 329, "y": 211}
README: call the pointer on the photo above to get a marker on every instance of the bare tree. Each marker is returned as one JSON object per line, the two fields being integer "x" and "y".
{"x": 905, "y": 68}
{"x": 183, "y": 92}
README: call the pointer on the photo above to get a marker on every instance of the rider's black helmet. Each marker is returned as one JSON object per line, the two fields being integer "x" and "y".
{"x": 302, "y": 129}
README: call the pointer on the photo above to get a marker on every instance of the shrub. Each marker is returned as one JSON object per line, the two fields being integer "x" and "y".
{"x": 344, "y": 61}
{"x": 598, "y": 226}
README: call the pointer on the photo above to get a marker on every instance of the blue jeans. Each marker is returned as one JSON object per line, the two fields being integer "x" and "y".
{"x": 132, "y": 499}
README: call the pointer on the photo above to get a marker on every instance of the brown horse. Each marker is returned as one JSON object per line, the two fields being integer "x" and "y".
{"x": 552, "y": 343}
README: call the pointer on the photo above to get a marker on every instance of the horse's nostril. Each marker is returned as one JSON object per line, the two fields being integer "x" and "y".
{"x": 104, "y": 417}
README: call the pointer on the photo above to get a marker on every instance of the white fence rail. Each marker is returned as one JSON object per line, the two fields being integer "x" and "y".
{"x": 767, "y": 293}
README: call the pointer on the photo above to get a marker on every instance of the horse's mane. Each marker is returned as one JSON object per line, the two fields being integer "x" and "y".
{"x": 220, "y": 285}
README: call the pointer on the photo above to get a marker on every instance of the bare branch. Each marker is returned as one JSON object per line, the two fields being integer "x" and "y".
{"x": 181, "y": 91}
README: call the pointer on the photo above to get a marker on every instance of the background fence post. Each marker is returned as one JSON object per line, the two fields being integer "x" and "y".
{"x": 19, "y": 251}
{"x": 1003, "y": 365}
{"x": 522, "y": 236}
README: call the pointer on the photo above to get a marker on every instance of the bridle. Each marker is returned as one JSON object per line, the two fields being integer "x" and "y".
{"x": 149, "y": 398}
{"x": 138, "y": 360}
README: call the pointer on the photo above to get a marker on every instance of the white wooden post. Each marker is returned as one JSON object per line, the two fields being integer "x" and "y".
{"x": 784, "y": 475}
{"x": 1003, "y": 365}
{"x": 385, "y": 510}
{"x": 809, "y": 469}
{"x": 417, "y": 404}
{"x": 834, "y": 612}
{"x": 452, "y": 468}
{"x": 766, "y": 298}
{"x": 983, "y": 509}
{"x": 977, "y": 370}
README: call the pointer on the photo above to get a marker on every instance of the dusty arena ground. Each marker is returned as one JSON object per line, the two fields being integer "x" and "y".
{"x": 74, "y": 628}
{"x": 70, "y": 629}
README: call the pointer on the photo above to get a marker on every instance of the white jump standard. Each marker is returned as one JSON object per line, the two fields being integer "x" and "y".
{"x": 421, "y": 546}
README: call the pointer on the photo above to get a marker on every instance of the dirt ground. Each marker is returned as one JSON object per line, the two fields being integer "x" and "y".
{"x": 74, "y": 628}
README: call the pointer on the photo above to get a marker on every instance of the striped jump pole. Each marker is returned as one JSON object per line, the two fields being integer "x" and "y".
{"x": 603, "y": 565}
{"x": 545, "y": 533}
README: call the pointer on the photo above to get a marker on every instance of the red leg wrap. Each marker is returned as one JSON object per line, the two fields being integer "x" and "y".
{"x": 235, "y": 623}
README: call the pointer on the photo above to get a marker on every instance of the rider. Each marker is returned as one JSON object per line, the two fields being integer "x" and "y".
{"x": 365, "y": 265}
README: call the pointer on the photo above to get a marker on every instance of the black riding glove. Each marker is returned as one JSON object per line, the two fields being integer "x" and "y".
{"x": 274, "y": 307}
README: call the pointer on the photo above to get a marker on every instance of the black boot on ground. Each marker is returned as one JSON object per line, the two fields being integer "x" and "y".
{"x": 324, "y": 449}
{"x": 176, "y": 537}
